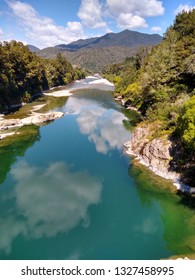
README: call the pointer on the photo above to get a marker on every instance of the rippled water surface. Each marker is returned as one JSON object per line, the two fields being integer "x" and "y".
{"x": 70, "y": 192}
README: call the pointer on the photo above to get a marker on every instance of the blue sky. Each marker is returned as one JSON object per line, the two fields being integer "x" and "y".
{"x": 46, "y": 23}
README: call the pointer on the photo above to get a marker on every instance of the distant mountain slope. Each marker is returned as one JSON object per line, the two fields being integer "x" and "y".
{"x": 49, "y": 52}
{"x": 33, "y": 48}
{"x": 125, "y": 38}
{"x": 93, "y": 59}
{"x": 95, "y": 53}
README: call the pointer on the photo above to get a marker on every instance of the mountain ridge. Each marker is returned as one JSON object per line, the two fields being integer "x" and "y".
{"x": 93, "y": 59}
{"x": 97, "y": 52}
{"x": 126, "y": 38}
{"x": 33, "y": 48}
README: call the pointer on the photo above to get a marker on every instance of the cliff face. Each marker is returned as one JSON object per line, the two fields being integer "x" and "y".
{"x": 153, "y": 153}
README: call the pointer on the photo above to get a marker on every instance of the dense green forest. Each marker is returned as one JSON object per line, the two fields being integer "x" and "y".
{"x": 24, "y": 75}
{"x": 160, "y": 82}
{"x": 95, "y": 53}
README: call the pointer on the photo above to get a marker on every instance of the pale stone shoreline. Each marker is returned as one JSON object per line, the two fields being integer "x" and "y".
{"x": 155, "y": 162}
{"x": 34, "y": 118}
{"x": 92, "y": 82}
{"x": 140, "y": 142}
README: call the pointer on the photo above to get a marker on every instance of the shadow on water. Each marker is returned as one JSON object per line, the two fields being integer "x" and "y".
{"x": 16, "y": 146}
{"x": 186, "y": 199}
{"x": 100, "y": 97}
{"x": 133, "y": 118}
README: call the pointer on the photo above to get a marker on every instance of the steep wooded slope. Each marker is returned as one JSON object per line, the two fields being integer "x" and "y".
{"x": 161, "y": 85}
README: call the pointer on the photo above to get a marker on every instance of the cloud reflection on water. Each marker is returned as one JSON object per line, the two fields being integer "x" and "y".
{"x": 104, "y": 128}
{"x": 147, "y": 226}
{"x": 94, "y": 83}
{"x": 48, "y": 201}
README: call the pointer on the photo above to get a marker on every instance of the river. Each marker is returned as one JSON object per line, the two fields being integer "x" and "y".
{"x": 69, "y": 191}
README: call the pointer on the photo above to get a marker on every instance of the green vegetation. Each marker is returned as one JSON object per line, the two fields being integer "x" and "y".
{"x": 92, "y": 59}
{"x": 124, "y": 74}
{"x": 95, "y": 53}
{"x": 187, "y": 124}
{"x": 160, "y": 84}
{"x": 23, "y": 75}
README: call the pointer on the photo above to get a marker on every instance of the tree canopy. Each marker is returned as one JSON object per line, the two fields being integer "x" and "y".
{"x": 160, "y": 83}
{"x": 23, "y": 74}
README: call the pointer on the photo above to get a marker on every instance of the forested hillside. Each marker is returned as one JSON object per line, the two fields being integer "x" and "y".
{"x": 24, "y": 75}
{"x": 94, "y": 53}
{"x": 160, "y": 84}
{"x": 125, "y": 38}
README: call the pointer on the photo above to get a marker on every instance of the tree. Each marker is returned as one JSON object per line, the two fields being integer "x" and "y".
{"x": 188, "y": 123}
{"x": 23, "y": 74}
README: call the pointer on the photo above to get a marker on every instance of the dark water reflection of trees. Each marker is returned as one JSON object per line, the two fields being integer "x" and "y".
{"x": 16, "y": 146}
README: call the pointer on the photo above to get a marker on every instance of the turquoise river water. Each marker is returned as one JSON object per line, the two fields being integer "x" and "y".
{"x": 71, "y": 192}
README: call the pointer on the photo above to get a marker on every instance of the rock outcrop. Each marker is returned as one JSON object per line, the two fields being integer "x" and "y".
{"x": 36, "y": 118}
{"x": 10, "y": 123}
{"x": 41, "y": 118}
{"x": 154, "y": 153}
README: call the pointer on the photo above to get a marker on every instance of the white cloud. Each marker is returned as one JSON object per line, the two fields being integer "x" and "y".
{"x": 143, "y": 8}
{"x": 93, "y": 14}
{"x": 42, "y": 31}
{"x": 184, "y": 7}
{"x": 148, "y": 226}
{"x": 90, "y": 13}
{"x": 1, "y": 33}
{"x": 156, "y": 29}
{"x": 98, "y": 125}
{"x": 50, "y": 200}
{"x": 131, "y": 21}
{"x": 61, "y": 196}
{"x": 132, "y": 14}
{"x": 10, "y": 229}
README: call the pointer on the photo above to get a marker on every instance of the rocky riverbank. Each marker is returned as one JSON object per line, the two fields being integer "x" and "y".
{"x": 7, "y": 125}
{"x": 154, "y": 153}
